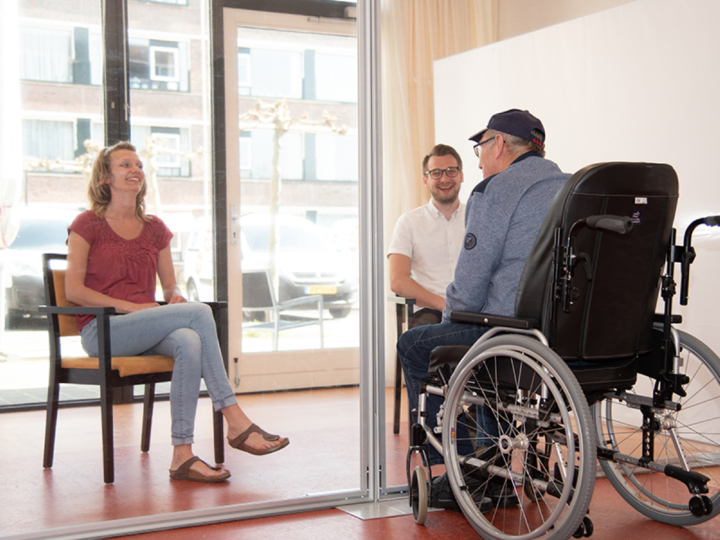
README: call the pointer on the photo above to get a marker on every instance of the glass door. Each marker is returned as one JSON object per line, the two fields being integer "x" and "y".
{"x": 292, "y": 216}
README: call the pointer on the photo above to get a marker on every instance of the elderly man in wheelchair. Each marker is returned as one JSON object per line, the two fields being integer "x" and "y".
{"x": 585, "y": 370}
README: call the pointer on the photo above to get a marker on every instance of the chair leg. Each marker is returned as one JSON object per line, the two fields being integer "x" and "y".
{"x": 51, "y": 424}
{"x": 398, "y": 396}
{"x": 106, "y": 413}
{"x": 218, "y": 434}
{"x": 148, "y": 402}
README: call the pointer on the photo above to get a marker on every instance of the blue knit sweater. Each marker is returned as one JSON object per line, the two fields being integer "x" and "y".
{"x": 502, "y": 219}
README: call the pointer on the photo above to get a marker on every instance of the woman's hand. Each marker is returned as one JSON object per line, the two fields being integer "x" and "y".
{"x": 177, "y": 298}
{"x": 171, "y": 292}
{"x": 130, "y": 307}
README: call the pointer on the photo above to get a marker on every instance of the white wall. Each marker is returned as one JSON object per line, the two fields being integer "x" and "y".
{"x": 517, "y": 17}
{"x": 637, "y": 82}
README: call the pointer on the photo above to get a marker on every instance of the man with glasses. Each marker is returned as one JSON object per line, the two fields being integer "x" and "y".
{"x": 504, "y": 215}
{"x": 426, "y": 241}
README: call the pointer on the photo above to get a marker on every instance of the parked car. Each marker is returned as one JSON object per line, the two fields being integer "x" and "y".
{"x": 307, "y": 262}
{"x": 21, "y": 263}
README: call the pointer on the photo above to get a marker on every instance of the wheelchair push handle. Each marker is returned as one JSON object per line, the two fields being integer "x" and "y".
{"x": 688, "y": 255}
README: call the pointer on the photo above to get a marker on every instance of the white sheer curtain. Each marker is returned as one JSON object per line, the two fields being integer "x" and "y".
{"x": 414, "y": 34}
{"x": 48, "y": 139}
{"x": 46, "y": 55}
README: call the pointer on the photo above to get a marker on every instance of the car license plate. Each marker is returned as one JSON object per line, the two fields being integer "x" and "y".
{"x": 321, "y": 289}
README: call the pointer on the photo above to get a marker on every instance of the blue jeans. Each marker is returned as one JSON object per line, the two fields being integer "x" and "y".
{"x": 414, "y": 348}
{"x": 185, "y": 332}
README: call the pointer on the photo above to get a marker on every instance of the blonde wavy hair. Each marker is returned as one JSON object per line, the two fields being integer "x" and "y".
{"x": 99, "y": 192}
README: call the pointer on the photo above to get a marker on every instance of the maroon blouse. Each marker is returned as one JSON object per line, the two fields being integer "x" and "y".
{"x": 119, "y": 268}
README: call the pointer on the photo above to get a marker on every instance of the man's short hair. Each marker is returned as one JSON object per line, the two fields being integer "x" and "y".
{"x": 440, "y": 150}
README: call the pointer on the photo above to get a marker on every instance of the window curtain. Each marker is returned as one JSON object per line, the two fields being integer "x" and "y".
{"x": 415, "y": 33}
{"x": 47, "y": 139}
{"x": 46, "y": 55}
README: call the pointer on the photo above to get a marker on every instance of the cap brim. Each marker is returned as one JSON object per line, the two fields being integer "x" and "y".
{"x": 478, "y": 136}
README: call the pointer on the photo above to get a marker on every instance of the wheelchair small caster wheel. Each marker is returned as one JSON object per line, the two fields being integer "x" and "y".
{"x": 708, "y": 504}
{"x": 586, "y": 528}
{"x": 701, "y": 505}
{"x": 698, "y": 506}
{"x": 419, "y": 495}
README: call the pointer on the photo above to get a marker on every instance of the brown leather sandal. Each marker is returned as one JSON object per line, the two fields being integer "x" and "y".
{"x": 239, "y": 441}
{"x": 183, "y": 472}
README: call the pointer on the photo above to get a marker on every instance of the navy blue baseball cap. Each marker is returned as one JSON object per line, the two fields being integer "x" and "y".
{"x": 515, "y": 122}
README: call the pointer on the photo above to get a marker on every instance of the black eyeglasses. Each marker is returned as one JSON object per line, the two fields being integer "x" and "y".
{"x": 478, "y": 146}
{"x": 436, "y": 174}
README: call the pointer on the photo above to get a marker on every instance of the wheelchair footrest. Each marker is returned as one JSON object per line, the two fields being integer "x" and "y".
{"x": 695, "y": 482}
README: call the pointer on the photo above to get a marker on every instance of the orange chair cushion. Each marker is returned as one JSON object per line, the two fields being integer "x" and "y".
{"x": 125, "y": 365}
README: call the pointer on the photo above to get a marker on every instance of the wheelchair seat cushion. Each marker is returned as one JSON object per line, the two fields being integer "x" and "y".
{"x": 446, "y": 355}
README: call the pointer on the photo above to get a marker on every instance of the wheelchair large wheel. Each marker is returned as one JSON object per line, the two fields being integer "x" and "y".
{"x": 539, "y": 467}
{"x": 688, "y": 438}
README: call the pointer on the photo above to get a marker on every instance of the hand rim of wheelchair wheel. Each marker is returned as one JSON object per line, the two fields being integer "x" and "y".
{"x": 572, "y": 503}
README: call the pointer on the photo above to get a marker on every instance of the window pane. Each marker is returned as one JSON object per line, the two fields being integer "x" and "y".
{"x": 46, "y": 55}
{"x": 336, "y": 76}
{"x": 170, "y": 126}
{"x": 52, "y": 117}
{"x": 309, "y": 80}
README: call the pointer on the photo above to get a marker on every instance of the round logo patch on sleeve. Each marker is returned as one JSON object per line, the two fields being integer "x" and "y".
{"x": 470, "y": 241}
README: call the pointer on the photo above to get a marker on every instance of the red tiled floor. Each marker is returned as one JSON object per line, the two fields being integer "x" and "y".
{"x": 323, "y": 456}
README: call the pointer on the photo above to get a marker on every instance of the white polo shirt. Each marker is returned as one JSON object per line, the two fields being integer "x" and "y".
{"x": 433, "y": 244}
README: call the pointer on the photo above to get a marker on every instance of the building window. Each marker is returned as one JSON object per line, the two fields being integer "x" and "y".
{"x": 47, "y": 139}
{"x": 245, "y": 154}
{"x": 244, "y": 72}
{"x": 164, "y": 64}
{"x": 158, "y": 65}
{"x": 336, "y": 156}
{"x": 256, "y": 155}
{"x": 275, "y": 73}
{"x": 170, "y": 147}
{"x": 46, "y": 55}
{"x": 336, "y": 77}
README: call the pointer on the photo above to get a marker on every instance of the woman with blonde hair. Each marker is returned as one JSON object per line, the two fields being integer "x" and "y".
{"x": 115, "y": 254}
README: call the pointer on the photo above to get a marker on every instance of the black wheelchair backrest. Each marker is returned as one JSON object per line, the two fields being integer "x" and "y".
{"x": 616, "y": 281}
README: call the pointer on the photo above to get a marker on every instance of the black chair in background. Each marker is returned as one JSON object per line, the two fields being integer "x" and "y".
{"x": 259, "y": 296}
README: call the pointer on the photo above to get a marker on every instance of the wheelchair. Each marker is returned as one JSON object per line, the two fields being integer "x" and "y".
{"x": 586, "y": 371}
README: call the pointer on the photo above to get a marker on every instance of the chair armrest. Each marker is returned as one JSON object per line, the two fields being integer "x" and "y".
{"x": 216, "y": 306}
{"x": 483, "y": 319}
{"x": 77, "y": 310}
{"x": 401, "y": 300}
{"x": 312, "y": 299}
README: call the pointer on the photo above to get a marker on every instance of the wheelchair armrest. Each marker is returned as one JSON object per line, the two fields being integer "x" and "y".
{"x": 483, "y": 319}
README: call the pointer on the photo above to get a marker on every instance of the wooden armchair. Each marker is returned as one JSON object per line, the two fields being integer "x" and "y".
{"x": 106, "y": 372}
